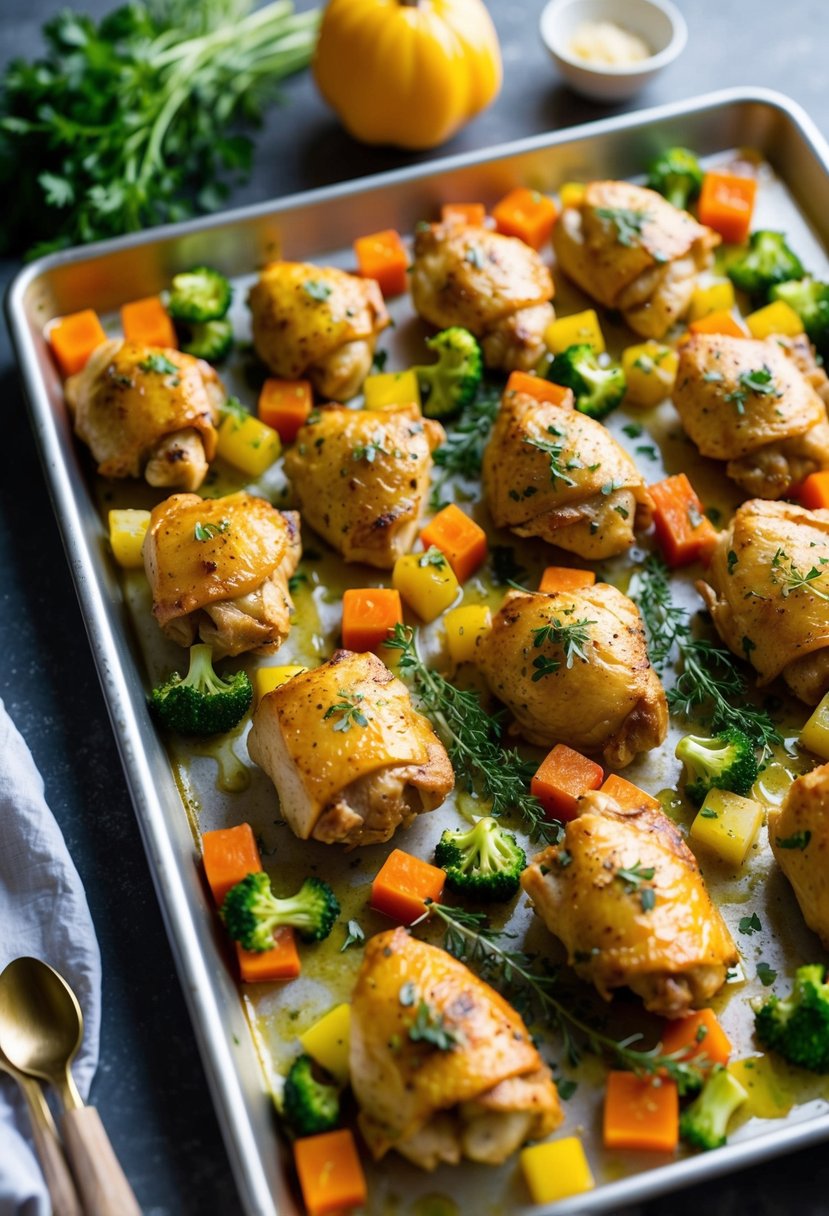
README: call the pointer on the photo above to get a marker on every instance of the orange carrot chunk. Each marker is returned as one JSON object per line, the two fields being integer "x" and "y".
{"x": 726, "y": 204}
{"x": 402, "y": 886}
{"x": 473, "y": 214}
{"x": 562, "y": 779}
{"x": 229, "y": 855}
{"x": 330, "y": 1174}
{"x": 74, "y": 338}
{"x": 697, "y": 1034}
{"x": 149, "y": 322}
{"x": 279, "y": 963}
{"x": 641, "y": 1113}
{"x": 566, "y": 579}
{"x": 284, "y": 405}
{"x": 526, "y": 214}
{"x": 538, "y": 387}
{"x": 683, "y": 532}
{"x": 814, "y": 491}
{"x": 719, "y": 322}
{"x": 628, "y": 795}
{"x": 461, "y": 541}
{"x": 382, "y": 256}
{"x": 369, "y": 616}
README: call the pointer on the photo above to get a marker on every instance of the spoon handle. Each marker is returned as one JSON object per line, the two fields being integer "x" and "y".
{"x": 101, "y": 1181}
{"x": 50, "y": 1154}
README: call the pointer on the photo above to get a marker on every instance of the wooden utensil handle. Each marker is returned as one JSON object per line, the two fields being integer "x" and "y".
{"x": 101, "y": 1181}
{"x": 50, "y": 1154}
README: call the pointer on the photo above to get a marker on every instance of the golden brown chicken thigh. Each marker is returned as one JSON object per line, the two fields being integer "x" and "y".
{"x": 318, "y": 322}
{"x": 799, "y": 836}
{"x": 218, "y": 570}
{"x": 147, "y": 410}
{"x": 496, "y": 286}
{"x": 479, "y": 1094}
{"x": 630, "y": 249}
{"x": 573, "y": 668}
{"x": 624, "y": 893}
{"x": 767, "y": 591}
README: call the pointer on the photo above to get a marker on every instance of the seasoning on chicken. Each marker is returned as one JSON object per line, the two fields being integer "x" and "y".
{"x": 624, "y": 893}
{"x": 218, "y": 571}
{"x": 361, "y": 476}
{"x": 441, "y": 1066}
{"x": 572, "y": 667}
{"x": 756, "y": 404}
{"x": 799, "y": 837}
{"x": 767, "y": 591}
{"x": 495, "y": 286}
{"x": 147, "y": 410}
{"x": 350, "y": 757}
{"x": 631, "y": 250}
{"x": 318, "y": 322}
{"x": 552, "y": 472}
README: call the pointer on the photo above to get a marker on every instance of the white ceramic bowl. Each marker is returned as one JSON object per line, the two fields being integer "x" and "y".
{"x": 658, "y": 22}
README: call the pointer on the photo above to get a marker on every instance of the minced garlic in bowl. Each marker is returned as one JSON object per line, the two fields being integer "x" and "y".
{"x": 608, "y": 43}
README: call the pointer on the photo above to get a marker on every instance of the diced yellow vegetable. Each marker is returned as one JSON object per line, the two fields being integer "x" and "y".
{"x": 718, "y": 297}
{"x": 127, "y": 529}
{"x": 727, "y": 823}
{"x": 266, "y": 679}
{"x": 426, "y": 582}
{"x": 248, "y": 444}
{"x": 815, "y": 734}
{"x": 389, "y": 390}
{"x": 327, "y": 1041}
{"x": 776, "y": 318}
{"x": 571, "y": 194}
{"x": 768, "y": 1095}
{"x": 577, "y": 328}
{"x": 464, "y": 626}
{"x": 650, "y": 371}
{"x": 556, "y": 1170}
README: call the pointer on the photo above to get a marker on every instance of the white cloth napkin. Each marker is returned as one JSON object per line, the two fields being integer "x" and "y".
{"x": 43, "y": 913}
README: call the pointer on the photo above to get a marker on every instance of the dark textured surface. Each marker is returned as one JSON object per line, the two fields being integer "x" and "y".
{"x": 150, "y": 1087}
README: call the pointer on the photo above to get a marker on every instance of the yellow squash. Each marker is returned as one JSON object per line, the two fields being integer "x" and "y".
{"x": 407, "y": 72}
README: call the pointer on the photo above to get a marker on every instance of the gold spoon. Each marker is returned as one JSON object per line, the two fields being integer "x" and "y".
{"x": 41, "y": 1028}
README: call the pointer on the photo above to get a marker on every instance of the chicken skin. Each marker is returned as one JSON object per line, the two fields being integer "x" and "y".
{"x": 350, "y": 757}
{"x": 624, "y": 893}
{"x": 361, "y": 477}
{"x": 147, "y": 410}
{"x": 573, "y": 668}
{"x": 768, "y": 593}
{"x": 552, "y": 472}
{"x": 218, "y": 570}
{"x": 756, "y": 404}
{"x": 479, "y": 1093}
{"x": 318, "y": 322}
{"x": 799, "y": 836}
{"x": 496, "y": 286}
{"x": 631, "y": 250}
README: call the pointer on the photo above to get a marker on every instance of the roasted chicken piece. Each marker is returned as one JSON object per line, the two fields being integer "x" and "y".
{"x": 318, "y": 322}
{"x": 573, "y": 668}
{"x": 768, "y": 593}
{"x": 361, "y": 476}
{"x": 147, "y": 410}
{"x": 350, "y": 757}
{"x": 624, "y": 893}
{"x": 552, "y": 472}
{"x": 631, "y": 250}
{"x": 756, "y": 404}
{"x": 799, "y": 836}
{"x": 478, "y": 1088}
{"x": 496, "y": 286}
{"x": 218, "y": 570}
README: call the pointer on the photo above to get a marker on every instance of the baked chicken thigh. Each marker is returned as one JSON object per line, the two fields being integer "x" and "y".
{"x": 218, "y": 570}
{"x": 147, "y": 410}
{"x": 478, "y": 1093}
{"x": 350, "y": 757}
{"x": 799, "y": 836}
{"x": 625, "y": 895}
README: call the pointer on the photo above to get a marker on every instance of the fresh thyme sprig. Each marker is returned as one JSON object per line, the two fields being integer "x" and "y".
{"x": 554, "y": 451}
{"x": 462, "y": 453}
{"x": 793, "y": 579}
{"x": 571, "y": 636}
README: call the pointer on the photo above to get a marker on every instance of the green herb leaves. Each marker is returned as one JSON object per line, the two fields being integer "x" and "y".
{"x": 785, "y": 572}
{"x": 628, "y": 223}
{"x": 203, "y": 532}
{"x": 633, "y": 877}
{"x": 158, "y": 363}
{"x": 555, "y": 451}
{"x": 571, "y": 636}
{"x": 348, "y": 711}
{"x": 799, "y": 840}
{"x": 760, "y": 382}
{"x": 316, "y": 289}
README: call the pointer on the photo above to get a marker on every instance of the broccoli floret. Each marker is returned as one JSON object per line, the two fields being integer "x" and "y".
{"x": 199, "y": 295}
{"x": 251, "y": 911}
{"x": 597, "y": 389}
{"x": 726, "y": 762}
{"x": 676, "y": 174}
{"x": 201, "y": 703}
{"x": 810, "y": 300}
{"x": 483, "y": 863}
{"x": 767, "y": 261}
{"x": 210, "y": 340}
{"x": 310, "y": 1106}
{"x": 704, "y": 1122}
{"x": 453, "y": 381}
{"x": 797, "y": 1028}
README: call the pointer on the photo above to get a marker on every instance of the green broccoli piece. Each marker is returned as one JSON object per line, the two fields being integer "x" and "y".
{"x": 797, "y": 1028}
{"x": 810, "y": 300}
{"x": 199, "y": 295}
{"x": 251, "y": 911}
{"x": 210, "y": 340}
{"x": 767, "y": 262}
{"x": 309, "y": 1105}
{"x": 703, "y": 1124}
{"x": 453, "y": 381}
{"x": 597, "y": 389}
{"x": 201, "y": 703}
{"x": 677, "y": 175}
{"x": 483, "y": 862}
{"x": 726, "y": 762}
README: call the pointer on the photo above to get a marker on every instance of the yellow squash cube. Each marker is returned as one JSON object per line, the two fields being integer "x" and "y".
{"x": 571, "y": 194}
{"x": 768, "y": 1095}
{"x": 266, "y": 679}
{"x": 426, "y": 582}
{"x": 581, "y": 327}
{"x": 556, "y": 1170}
{"x": 650, "y": 371}
{"x": 776, "y": 318}
{"x": 327, "y": 1041}
{"x": 464, "y": 626}
{"x": 390, "y": 390}
{"x": 815, "y": 734}
{"x": 727, "y": 824}
{"x": 248, "y": 444}
{"x": 718, "y": 297}
{"x": 127, "y": 529}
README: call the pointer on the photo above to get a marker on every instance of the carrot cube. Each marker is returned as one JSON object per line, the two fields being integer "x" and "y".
{"x": 461, "y": 541}
{"x": 683, "y": 532}
{"x": 628, "y": 795}
{"x": 382, "y": 256}
{"x": 814, "y": 491}
{"x": 285, "y": 405}
{"x": 74, "y": 338}
{"x": 229, "y": 855}
{"x": 281, "y": 962}
{"x": 726, "y": 204}
{"x": 700, "y": 1034}
{"x": 538, "y": 387}
{"x": 330, "y": 1174}
{"x": 526, "y": 214}
{"x": 565, "y": 579}
{"x": 148, "y": 321}
{"x": 641, "y": 1113}
{"x": 472, "y": 214}
{"x": 369, "y": 616}
{"x": 721, "y": 322}
{"x": 561, "y": 780}
{"x": 403, "y": 884}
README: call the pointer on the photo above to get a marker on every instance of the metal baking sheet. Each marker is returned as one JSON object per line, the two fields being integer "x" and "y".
{"x": 172, "y": 803}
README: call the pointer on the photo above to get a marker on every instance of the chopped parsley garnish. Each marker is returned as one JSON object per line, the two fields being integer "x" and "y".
{"x": 766, "y": 975}
{"x": 160, "y": 364}
{"x": 554, "y": 451}
{"x": 750, "y": 924}
{"x": 370, "y": 451}
{"x": 354, "y": 935}
{"x": 317, "y": 290}
{"x": 204, "y": 532}
{"x": 432, "y": 557}
{"x": 800, "y": 840}
{"x": 628, "y": 223}
{"x": 349, "y": 710}
{"x": 430, "y": 1027}
{"x": 760, "y": 382}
